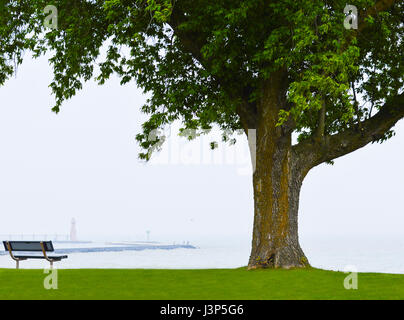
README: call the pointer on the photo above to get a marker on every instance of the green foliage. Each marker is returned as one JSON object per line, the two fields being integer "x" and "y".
{"x": 199, "y": 60}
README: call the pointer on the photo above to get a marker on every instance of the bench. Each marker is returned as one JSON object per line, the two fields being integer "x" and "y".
{"x": 31, "y": 246}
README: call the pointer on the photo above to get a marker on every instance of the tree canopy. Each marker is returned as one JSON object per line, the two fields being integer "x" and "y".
{"x": 205, "y": 62}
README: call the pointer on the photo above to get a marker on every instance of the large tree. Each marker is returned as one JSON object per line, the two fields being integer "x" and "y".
{"x": 268, "y": 67}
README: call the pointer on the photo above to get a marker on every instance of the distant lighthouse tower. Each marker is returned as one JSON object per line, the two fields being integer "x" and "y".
{"x": 73, "y": 232}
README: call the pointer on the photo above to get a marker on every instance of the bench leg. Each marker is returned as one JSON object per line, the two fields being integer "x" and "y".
{"x": 17, "y": 264}
{"x": 51, "y": 265}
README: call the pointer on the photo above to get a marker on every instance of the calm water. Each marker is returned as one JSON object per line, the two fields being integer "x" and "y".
{"x": 366, "y": 254}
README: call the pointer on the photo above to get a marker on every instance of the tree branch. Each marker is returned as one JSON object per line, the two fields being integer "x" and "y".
{"x": 349, "y": 140}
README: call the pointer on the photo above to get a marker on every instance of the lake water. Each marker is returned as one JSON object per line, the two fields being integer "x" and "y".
{"x": 365, "y": 254}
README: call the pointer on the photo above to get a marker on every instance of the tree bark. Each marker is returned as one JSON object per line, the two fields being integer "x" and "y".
{"x": 277, "y": 181}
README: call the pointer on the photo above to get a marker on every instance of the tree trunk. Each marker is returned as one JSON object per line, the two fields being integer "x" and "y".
{"x": 277, "y": 181}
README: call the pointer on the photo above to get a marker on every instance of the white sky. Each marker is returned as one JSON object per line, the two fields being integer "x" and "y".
{"x": 83, "y": 163}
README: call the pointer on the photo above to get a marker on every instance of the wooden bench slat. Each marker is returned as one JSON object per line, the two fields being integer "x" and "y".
{"x": 29, "y": 245}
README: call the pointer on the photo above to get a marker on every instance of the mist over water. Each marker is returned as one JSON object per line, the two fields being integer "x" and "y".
{"x": 365, "y": 253}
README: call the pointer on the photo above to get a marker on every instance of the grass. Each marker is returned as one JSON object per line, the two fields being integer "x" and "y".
{"x": 209, "y": 284}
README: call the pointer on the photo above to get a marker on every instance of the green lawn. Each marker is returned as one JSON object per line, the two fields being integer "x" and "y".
{"x": 198, "y": 284}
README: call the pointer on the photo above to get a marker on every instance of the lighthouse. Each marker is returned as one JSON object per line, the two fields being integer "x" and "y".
{"x": 73, "y": 232}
